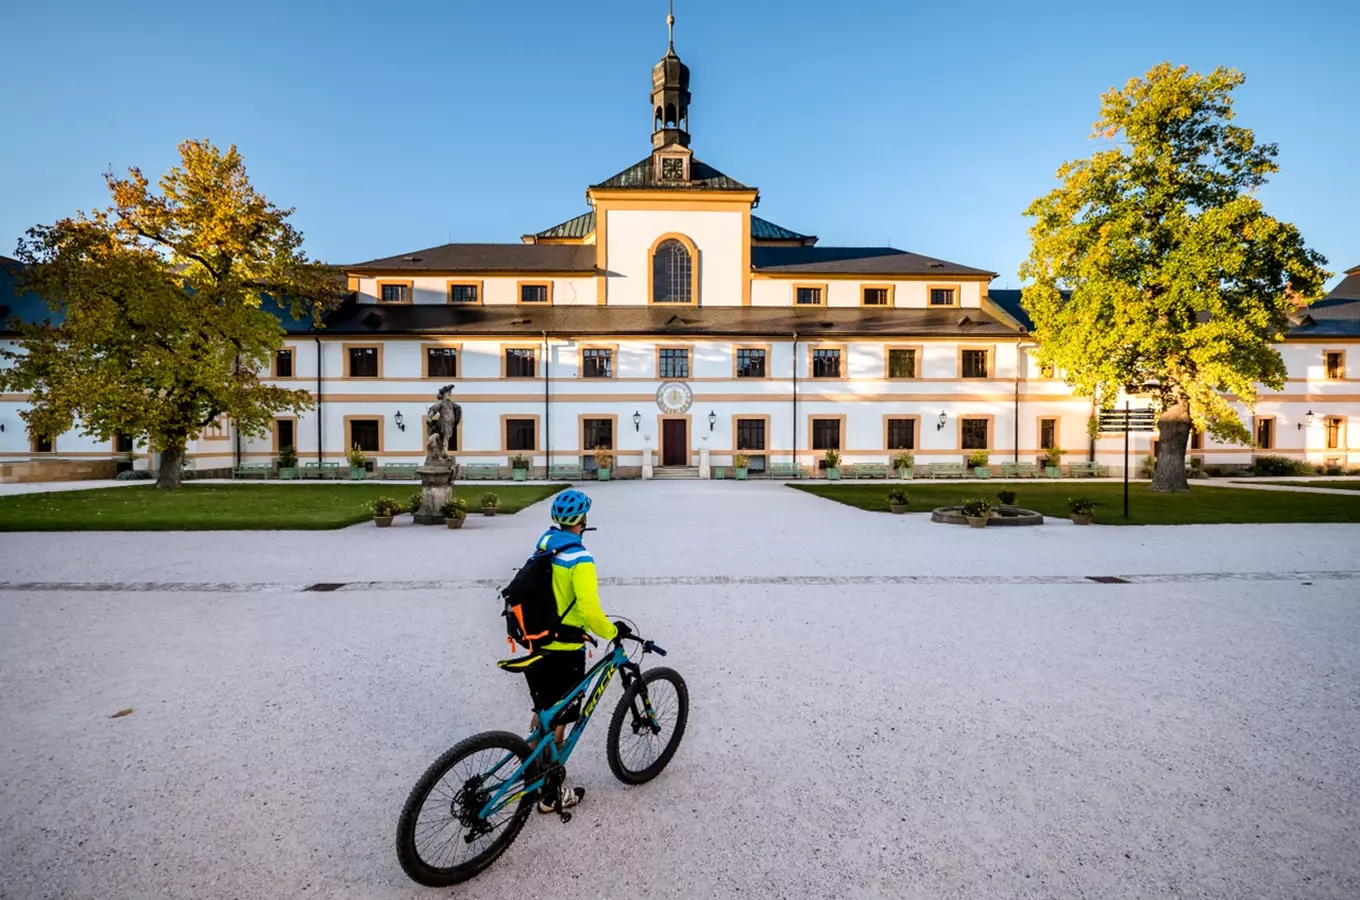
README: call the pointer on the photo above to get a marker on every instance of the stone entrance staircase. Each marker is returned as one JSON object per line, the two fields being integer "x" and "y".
{"x": 675, "y": 473}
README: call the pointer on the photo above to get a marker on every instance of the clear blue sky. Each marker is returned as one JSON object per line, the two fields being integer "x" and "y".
{"x": 396, "y": 126}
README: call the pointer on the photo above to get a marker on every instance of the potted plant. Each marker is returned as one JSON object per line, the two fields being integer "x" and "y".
{"x": 415, "y": 501}
{"x": 978, "y": 460}
{"x": 490, "y": 503}
{"x": 358, "y": 463}
{"x": 384, "y": 508}
{"x": 455, "y": 512}
{"x": 833, "y": 464}
{"x": 1007, "y": 497}
{"x": 1053, "y": 462}
{"x": 519, "y": 467}
{"x": 741, "y": 465}
{"x": 904, "y": 462}
{"x": 977, "y": 512}
{"x": 604, "y": 462}
{"x": 1081, "y": 509}
{"x": 897, "y": 500}
{"x": 288, "y": 463}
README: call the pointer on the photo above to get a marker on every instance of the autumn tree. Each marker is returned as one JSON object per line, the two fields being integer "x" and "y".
{"x": 1154, "y": 267}
{"x": 162, "y": 296}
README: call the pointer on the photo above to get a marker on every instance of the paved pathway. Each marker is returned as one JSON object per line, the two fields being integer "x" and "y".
{"x": 881, "y": 707}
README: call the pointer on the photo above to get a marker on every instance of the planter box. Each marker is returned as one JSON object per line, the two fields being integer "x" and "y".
{"x": 1052, "y": 471}
{"x": 455, "y": 523}
{"x": 741, "y": 473}
{"x": 601, "y": 474}
{"x": 383, "y": 521}
{"x": 1078, "y": 519}
{"x": 977, "y": 521}
{"x": 833, "y": 474}
{"x": 519, "y": 474}
{"x": 358, "y": 475}
{"x": 982, "y": 472}
{"x": 897, "y": 510}
{"x": 489, "y": 510}
{"x": 288, "y": 474}
{"x": 905, "y": 474}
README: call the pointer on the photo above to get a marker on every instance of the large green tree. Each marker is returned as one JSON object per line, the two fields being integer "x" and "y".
{"x": 162, "y": 327}
{"x": 1154, "y": 267}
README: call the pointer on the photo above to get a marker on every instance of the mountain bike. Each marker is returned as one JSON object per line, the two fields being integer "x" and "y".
{"x": 471, "y": 803}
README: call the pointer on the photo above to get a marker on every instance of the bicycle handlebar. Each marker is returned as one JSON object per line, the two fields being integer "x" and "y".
{"x": 647, "y": 646}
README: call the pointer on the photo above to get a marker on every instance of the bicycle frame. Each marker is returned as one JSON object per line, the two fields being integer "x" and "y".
{"x": 541, "y": 738}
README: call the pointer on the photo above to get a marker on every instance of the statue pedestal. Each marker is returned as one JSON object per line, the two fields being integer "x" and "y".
{"x": 436, "y": 486}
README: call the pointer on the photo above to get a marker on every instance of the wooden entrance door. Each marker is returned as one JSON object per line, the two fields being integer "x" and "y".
{"x": 674, "y": 442}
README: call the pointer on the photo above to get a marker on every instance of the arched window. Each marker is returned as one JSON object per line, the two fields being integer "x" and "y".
{"x": 672, "y": 273}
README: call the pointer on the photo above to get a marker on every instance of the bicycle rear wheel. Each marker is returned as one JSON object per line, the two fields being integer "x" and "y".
{"x": 647, "y": 726}
{"x": 441, "y": 839}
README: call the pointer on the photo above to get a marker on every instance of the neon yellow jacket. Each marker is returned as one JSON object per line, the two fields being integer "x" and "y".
{"x": 574, "y": 579}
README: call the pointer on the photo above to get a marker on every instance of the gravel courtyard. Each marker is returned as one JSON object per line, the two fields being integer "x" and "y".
{"x": 881, "y": 707}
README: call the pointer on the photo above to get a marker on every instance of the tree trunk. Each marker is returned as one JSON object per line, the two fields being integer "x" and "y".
{"x": 1173, "y": 433}
{"x": 172, "y": 467}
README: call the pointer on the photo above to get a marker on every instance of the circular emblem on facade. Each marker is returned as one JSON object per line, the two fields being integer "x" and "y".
{"x": 674, "y": 397}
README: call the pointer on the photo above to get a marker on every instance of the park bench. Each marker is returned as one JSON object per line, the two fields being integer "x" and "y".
{"x": 568, "y": 471}
{"x": 948, "y": 470}
{"x": 1085, "y": 469}
{"x": 1019, "y": 470}
{"x": 405, "y": 471}
{"x": 246, "y": 470}
{"x": 869, "y": 470}
{"x": 480, "y": 471}
{"x": 786, "y": 470}
{"x": 315, "y": 469}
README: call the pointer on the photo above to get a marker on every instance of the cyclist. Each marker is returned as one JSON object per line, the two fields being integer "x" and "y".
{"x": 576, "y": 588}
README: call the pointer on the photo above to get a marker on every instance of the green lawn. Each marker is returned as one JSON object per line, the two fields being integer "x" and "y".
{"x": 1335, "y": 484}
{"x": 1202, "y": 505}
{"x": 223, "y": 507}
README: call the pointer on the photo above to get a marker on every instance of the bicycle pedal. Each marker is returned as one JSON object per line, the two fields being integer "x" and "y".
{"x": 564, "y": 816}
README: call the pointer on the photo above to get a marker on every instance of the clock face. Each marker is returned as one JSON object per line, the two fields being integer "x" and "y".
{"x": 672, "y": 169}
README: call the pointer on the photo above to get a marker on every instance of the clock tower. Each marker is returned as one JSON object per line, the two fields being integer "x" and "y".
{"x": 670, "y": 115}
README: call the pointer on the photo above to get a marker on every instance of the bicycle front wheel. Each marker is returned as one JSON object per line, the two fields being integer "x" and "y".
{"x": 441, "y": 837}
{"x": 647, "y": 726}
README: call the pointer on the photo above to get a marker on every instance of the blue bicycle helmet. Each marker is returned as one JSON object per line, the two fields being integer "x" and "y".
{"x": 570, "y": 508}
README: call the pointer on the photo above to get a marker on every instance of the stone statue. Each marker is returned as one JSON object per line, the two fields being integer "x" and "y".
{"x": 436, "y": 475}
{"x": 442, "y": 423}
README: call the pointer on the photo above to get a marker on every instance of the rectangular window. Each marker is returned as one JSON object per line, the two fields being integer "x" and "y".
{"x": 901, "y": 434}
{"x": 974, "y": 433}
{"x": 283, "y": 364}
{"x": 1265, "y": 433}
{"x": 43, "y": 445}
{"x": 750, "y": 363}
{"x": 1196, "y": 440}
{"x": 941, "y": 296}
{"x": 598, "y": 433}
{"x": 363, "y": 362}
{"x": 1336, "y": 365}
{"x": 395, "y": 293}
{"x": 216, "y": 430}
{"x": 826, "y": 364}
{"x": 1333, "y": 424}
{"x": 597, "y": 363}
{"x": 1048, "y": 434}
{"x": 122, "y": 443}
{"x": 519, "y": 434}
{"x": 875, "y": 297}
{"x": 462, "y": 293}
{"x": 809, "y": 296}
{"x": 750, "y": 434}
{"x": 519, "y": 363}
{"x": 901, "y": 363}
{"x": 533, "y": 293}
{"x": 441, "y": 362}
{"x": 364, "y": 433}
{"x": 673, "y": 362}
{"x": 826, "y": 434}
{"x": 285, "y": 429}
{"x": 974, "y": 363}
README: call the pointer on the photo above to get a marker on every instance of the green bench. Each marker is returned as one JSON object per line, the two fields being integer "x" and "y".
{"x": 246, "y": 470}
{"x": 480, "y": 471}
{"x": 869, "y": 470}
{"x": 566, "y": 471}
{"x": 786, "y": 470}
{"x": 320, "y": 470}
{"x": 948, "y": 470}
{"x": 406, "y": 471}
{"x": 1087, "y": 469}
{"x": 1019, "y": 470}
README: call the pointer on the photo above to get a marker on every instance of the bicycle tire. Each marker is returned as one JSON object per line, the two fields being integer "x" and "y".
{"x": 620, "y": 766}
{"x": 408, "y": 837}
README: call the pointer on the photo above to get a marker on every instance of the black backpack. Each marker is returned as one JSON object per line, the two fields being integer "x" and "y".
{"x": 531, "y": 618}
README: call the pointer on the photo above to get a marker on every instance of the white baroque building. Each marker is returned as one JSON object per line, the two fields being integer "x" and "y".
{"x": 674, "y": 326}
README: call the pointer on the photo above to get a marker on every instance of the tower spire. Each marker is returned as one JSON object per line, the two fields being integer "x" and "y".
{"x": 670, "y": 93}
{"x": 670, "y": 24}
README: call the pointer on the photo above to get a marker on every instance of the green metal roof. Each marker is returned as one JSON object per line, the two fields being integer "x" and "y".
{"x": 703, "y": 177}
{"x": 765, "y": 230}
{"x": 584, "y": 224}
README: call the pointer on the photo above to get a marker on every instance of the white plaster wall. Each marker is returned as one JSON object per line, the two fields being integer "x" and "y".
{"x": 717, "y": 235}
{"x": 846, "y": 292}
{"x": 496, "y": 291}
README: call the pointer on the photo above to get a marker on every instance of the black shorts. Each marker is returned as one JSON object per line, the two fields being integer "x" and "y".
{"x": 553, "y": 677}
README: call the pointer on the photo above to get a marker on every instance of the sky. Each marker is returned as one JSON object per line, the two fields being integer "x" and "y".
{"x": 396, "y": 126}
